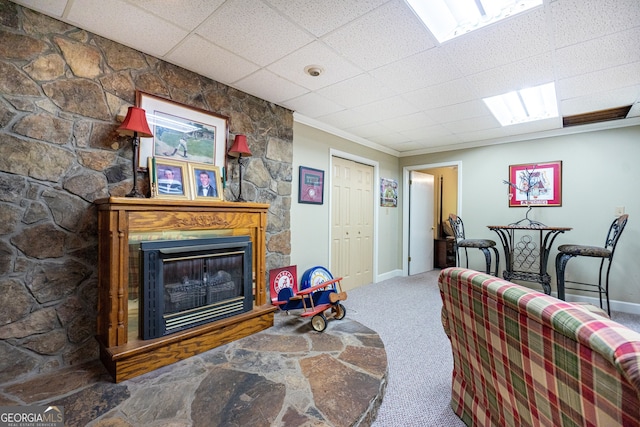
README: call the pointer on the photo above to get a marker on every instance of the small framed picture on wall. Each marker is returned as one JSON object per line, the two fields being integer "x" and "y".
{"x": 311, "y": 186}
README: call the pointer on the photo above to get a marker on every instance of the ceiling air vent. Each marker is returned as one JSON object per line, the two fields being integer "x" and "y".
{"x": 596, "y": 116}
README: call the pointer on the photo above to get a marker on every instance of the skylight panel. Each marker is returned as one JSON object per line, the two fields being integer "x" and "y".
{"x": 447, "y": 19}
{"x": 526, "y": 105}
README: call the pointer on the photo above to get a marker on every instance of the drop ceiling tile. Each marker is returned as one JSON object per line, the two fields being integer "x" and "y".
{"x": 635, "y": 110}
{"x": 449, "y": 93}
{"x": 508, "y": 41}
{"x": 599, "y": 54}
{"x": 440, "y": 141}
{"x": 386, "y": 108}
{"x": 465, "y": 110}
{"x": 426, "y": 133}
{"x": 358, "y": 90}
{"x": 392, "y": 139}
{"x": 49, "y": 7}
{"x": 575, "y": 21}
{"x": 335, "y": 67}
{"x": 599, "y": 81}
{"x": 534, "y": 127}
{"x": 528, "y": 72}
{"x": 423, "y": 69}
{"x": 409, "y": 121}
{"x": 254, "y": 31}
{"x": 404, "y": 146}
{"x": 321, "y": 17}
{"x": 126, "y": 24}
{"x": 219, "y": 64}
{"x": 599, "y": 101}
{"x": 382, "y": 36}
{"x": 267, "y": 85}
{"x": 345, "y": 118}
{"x": 187, "y": 14}
{"x": 313, "y": 105}
{"x": 472, "y": 124}
{"x": 369, "y": 130}
{"x": 483, "y": 135}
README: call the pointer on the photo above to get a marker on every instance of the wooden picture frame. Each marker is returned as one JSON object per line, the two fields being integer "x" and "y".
{"x": 181, "y": 132}
{"x": 311, "y": 186}
{"x": 203, "y": 176}
{"x": 169, "y": 179}
{"x": 535, "y": 184}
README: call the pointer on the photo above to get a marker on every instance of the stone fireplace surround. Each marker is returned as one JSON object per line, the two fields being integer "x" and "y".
{"x": 121, "y": 217}
{"x": 63, "y": 89}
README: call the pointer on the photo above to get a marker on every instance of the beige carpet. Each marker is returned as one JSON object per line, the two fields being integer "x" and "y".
{"x": 405, "y": 312}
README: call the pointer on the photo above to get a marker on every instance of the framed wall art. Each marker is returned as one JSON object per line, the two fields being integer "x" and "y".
{"x": 388, "y": 192}
{"x": 206, "y": 181}
{"x": 535, "y": 184}
{"x": 169, "y": 179}
{"x": 181, "y": 132}
{"x": 311, "y": 186}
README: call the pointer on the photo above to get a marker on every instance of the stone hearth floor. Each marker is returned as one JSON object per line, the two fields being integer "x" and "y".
{"x": 287, "y": 375}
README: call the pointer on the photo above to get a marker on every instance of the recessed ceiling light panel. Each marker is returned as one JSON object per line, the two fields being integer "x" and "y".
{"x": 447, "y": 19}
{"x": 526, "y": 105}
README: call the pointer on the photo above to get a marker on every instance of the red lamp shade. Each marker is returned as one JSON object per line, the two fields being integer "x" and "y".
{"x": 240, "y": 147}
{"x": 136, "y": 121}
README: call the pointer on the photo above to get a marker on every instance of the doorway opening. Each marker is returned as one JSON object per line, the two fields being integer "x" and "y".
{"x": 452, "y": 202}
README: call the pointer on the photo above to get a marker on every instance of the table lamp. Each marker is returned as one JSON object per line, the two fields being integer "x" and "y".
{"x": 135, "y": 124}
{"x": 238, "y": 149}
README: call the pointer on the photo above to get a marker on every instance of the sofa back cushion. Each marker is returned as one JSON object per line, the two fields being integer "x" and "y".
{"x": 525, "y": 358}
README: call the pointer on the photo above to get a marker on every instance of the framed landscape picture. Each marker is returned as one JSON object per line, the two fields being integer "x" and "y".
{"x": 181, "y": 132}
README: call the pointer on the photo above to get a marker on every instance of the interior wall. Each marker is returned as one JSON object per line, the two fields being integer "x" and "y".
{"x": 310, "y": 224}
{"x": 599, "y": 174}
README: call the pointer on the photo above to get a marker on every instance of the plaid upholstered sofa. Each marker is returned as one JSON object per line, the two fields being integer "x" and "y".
{"x": 523, "y": 358}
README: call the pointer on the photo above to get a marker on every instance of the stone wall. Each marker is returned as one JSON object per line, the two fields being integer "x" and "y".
{"x": 61, "y": 90}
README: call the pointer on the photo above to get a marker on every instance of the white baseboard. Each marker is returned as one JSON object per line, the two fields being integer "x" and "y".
{"x": 621, "y": 306}
{"x": 389, "y": 275}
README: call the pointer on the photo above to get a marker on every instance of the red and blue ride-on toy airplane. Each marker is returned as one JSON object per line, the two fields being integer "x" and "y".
{"x": 319, "y": 292}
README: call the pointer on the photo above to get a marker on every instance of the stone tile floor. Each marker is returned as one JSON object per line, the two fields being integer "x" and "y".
{"x": 288, "y": 375}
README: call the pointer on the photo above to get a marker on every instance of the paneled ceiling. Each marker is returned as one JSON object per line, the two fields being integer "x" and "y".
{"x": 386, "y": 82}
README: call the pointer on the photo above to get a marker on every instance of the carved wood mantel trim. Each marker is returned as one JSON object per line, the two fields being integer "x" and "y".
{"x": 120, "y": 216}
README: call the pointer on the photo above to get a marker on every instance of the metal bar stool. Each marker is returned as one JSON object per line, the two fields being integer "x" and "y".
{"x": 483, "y": 244}
{"x": 566, "y": 252}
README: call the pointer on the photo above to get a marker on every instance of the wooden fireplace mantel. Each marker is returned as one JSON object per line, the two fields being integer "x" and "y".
{"x": 120, "y": 216}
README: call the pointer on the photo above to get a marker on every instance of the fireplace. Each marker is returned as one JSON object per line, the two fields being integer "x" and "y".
{"x": 187, "y": 283}
{"x": 123, "y": 224}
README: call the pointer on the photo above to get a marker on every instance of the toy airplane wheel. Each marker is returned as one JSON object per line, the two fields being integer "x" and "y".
{"x": 319, "y": 322}
{"x": 339, "y": 311}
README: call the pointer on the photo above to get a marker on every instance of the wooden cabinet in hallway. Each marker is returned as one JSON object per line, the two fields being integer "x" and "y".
{"x": 352, "y": 192}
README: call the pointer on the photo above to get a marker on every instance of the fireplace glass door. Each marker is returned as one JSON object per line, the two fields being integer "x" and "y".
{"x": 187, "y": 283}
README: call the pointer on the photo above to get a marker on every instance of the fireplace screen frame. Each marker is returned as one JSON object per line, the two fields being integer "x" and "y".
{"x": 153, "y": 321}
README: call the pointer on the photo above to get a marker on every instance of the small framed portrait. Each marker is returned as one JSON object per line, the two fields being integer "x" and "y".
{"x": 206, "y": 181}
{"x": 169, "y": 179}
